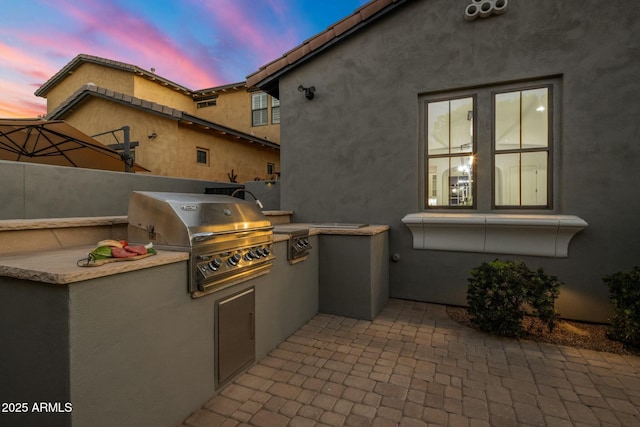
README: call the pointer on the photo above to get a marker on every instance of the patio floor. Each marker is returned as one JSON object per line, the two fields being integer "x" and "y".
{"x": 414, "y": 366}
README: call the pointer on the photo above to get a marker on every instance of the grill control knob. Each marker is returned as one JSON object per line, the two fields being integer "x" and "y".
{"x": 260, "y": 252}
{"x": 250, "y": 255}
{"x": 234, "y": 259}
{"x": 266, "y": 251}
{"x": 215, "y": 264}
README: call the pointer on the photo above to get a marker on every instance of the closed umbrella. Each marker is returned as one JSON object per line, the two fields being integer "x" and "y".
{"x": 55, "y": 142}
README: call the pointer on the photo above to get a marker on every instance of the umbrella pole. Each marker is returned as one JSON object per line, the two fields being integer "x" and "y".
{"x": 127, "y": 149}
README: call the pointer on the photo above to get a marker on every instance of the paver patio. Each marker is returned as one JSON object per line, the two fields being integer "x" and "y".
{"x": 414, "y": 366}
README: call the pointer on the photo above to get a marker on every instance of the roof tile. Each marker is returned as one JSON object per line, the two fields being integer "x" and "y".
{"x": 374, "y": 7}
{"x": 297, "y": 53}
{"x": 346, "y": 24}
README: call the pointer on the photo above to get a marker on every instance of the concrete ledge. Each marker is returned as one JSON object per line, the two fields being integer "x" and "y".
{"x": 517, "y": 234}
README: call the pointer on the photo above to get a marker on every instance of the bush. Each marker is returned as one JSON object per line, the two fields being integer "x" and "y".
{"x": 500, "y": 293}
{"x": 624, "y": 288}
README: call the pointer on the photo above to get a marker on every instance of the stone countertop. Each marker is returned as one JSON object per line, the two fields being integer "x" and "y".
{"x": 60, "y": 266}
{"x": 333, "y": 228}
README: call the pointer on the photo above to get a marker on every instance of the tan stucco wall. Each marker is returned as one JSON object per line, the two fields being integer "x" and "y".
{"x": 173, "y": 151}
{"x": 233, "y": 110}
{"x": 248, "y": 161}
{"x": 164, "y": 95}
{"x": 101, "y": 76}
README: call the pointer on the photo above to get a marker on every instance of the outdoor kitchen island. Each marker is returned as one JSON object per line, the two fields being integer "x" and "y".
{"x": 126, "y": 343}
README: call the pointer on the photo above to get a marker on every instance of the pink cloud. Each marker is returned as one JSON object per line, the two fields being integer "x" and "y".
{"x": 253, "y": 33}
{"x": 133, "y": 40}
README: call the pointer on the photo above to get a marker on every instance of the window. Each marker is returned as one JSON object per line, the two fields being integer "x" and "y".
{"x": 270, "y": 167}
{"x": 275, "y": 110}
{"x": 450, "y": 152}
{"x": 259, "y": 113}
{"x": 208, "y": 103}
{"x": 489, "y": 148}
{"x": 521, "y": 144}
{"x": 202, "y": 156}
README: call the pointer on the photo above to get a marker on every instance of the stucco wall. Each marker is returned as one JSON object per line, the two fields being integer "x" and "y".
{"x": 233, "y": 109}
{"x": 42, "y": 191}
{"x": 164, "y": 95}
{"x": 116, "y": 80}
{"x": 351, "y": 154}
{"x": 172, "y": 152}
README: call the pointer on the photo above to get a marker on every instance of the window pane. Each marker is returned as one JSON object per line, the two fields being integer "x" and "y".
{"x": 275, "y": 115}
{"x": 258, "y": 100}
{"x": 521, "y": 179}
{"x": 462, "y": 125}
{"x": 450, "y": 126}
{"x": 507, "y": 180}
{"x": 507, "y": 121}
{"x": 437, "y": 179}
{"x": 438, "y": 128}
{"x": 450, "y": 181}
{"x": 461, "y": 181}
{"x": 535, "y": 118}
{"x": 534, "y": 179}
{"x": 259, "y": 117}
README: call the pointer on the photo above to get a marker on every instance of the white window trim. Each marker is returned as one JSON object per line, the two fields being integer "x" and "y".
{"x": 517, "y": 234}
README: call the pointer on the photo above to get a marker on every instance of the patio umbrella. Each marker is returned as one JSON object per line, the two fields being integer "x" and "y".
{"x": 55, "y": 142}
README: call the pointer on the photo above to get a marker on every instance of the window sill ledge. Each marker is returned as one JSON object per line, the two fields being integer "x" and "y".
{"x": 538, "y": 235}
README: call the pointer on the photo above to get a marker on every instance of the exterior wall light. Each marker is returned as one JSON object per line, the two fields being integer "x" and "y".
{"x": 309, "y": 92}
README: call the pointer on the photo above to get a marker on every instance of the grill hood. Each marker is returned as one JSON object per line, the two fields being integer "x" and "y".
{"x": 186, "y": 220}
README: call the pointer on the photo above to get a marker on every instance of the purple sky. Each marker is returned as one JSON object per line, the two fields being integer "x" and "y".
{"x": 195, "y": 43}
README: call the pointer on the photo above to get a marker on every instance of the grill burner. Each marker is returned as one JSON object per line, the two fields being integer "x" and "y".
{"x": 229, "y": 239}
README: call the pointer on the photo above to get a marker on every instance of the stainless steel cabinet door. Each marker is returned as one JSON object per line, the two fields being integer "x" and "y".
{"x": 234, "y": 334}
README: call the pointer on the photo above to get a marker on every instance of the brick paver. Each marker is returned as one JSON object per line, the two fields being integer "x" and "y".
{"x": 414, "y": 366}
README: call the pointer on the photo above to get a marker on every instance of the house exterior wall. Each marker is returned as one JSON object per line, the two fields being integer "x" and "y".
{"x": 173, "y": 151}
{"x": 357, "y": 143}
{"x": 163, "y": 95}
{"x": 233, "y": 109}
{"x": 114, "y": 79}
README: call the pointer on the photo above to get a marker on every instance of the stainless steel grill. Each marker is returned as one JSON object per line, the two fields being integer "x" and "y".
{"x": 229, "y": 239}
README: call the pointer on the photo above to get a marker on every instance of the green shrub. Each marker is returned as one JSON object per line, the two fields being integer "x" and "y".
{"x": 500, "y": 293}
{"x": 624, "y": 288}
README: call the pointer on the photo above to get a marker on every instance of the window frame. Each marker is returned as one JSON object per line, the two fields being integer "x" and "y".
{"x": 264, "y": 117}
{"x": 206, "y": 154}
{"x": 549, "y": 149}
{"x": 484, "y": 144}
{"x": 275, "y": 106}
{"x": 425, "y": 145}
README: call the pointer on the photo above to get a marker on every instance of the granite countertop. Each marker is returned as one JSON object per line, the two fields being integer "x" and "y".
{"x": 333, "y": 228}
{"x": 60, "y": 266}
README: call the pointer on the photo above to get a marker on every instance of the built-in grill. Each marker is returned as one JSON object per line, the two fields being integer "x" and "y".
{"x": 229, "y": 239}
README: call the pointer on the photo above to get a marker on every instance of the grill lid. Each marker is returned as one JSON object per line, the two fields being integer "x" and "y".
{"x": 186, "y": 219}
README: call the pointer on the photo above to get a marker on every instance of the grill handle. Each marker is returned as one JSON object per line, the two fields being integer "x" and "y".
{"x": 199, "y": 237}
{"x": 206, "y": 235}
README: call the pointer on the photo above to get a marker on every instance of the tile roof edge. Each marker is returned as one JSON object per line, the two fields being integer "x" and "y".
{"x": 84, "y": 58}
{"x": 151, "y": 107}
{"x": 360, "y": 17}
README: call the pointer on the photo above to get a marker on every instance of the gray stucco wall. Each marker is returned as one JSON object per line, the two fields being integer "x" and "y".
{"x": 351, "y": 154}
{"x": 133, "y": 349}
{"x": 43, "y": 191}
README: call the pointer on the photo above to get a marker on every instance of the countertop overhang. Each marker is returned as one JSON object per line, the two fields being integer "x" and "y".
{"x": 60, "y": 267}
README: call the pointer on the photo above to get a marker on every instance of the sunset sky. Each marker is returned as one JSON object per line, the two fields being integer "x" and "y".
{"x": 195, "y": 43}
